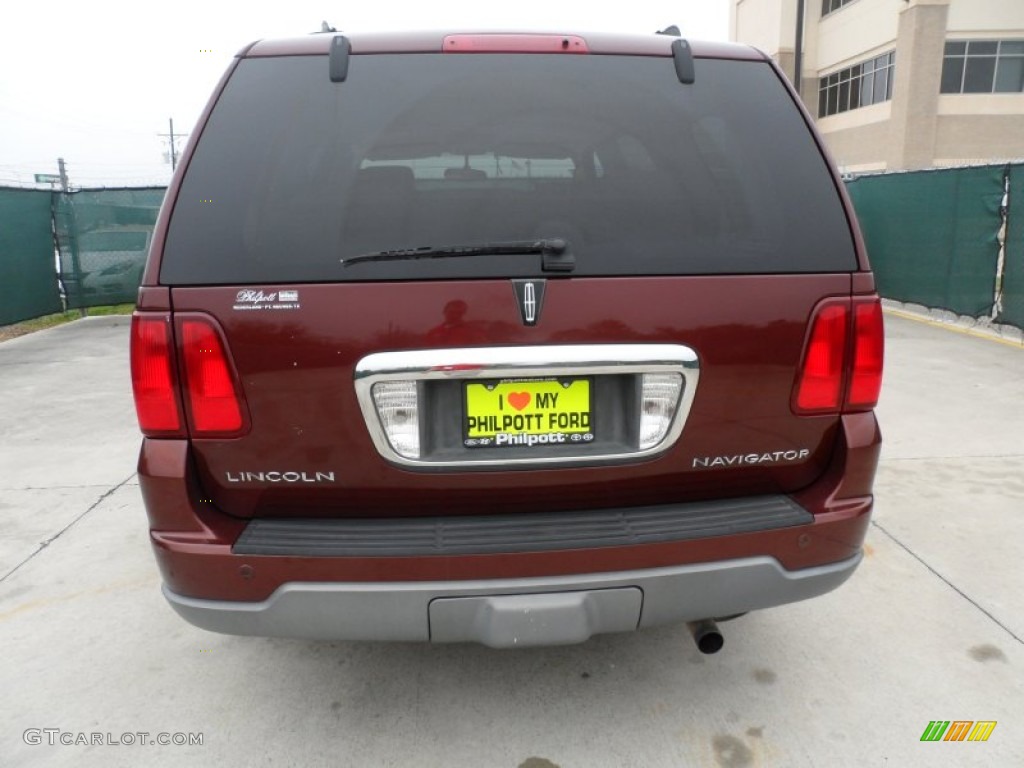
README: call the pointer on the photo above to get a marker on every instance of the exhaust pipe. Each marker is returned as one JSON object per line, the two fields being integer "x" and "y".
{"x": 706, "y": 635}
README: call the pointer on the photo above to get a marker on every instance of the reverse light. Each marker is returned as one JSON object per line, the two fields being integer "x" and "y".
{"x": 210, "y": 385}
{"x": 659, "y": 399}
{"x": 152, "y": 367}
{"x": 398, "y": 408}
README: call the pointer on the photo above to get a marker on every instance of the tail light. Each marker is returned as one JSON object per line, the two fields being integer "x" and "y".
{"x": 213, "y": 401}
{"x": 868, "y": 352}
{"x": 211, "y": 387}
{"x": 842, "y": 363}
{"x": 820, "y": 386}
{"x": 153, "y": 380}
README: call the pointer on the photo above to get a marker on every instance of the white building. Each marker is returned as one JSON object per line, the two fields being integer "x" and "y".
{"x": 898, "y": 84}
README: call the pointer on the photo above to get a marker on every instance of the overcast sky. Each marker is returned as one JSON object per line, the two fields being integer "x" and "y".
{"x": 95, "y": 81}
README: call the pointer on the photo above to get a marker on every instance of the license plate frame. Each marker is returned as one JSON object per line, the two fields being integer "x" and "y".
{"x": 530, "y": 413}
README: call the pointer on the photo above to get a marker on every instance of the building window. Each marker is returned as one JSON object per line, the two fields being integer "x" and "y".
{"x": 983, "y": 66}
{"x": 827, "y": 6}
{"x": 858, "y": 86}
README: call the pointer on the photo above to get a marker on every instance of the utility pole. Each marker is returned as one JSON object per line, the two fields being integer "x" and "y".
{"x": 798, "y": 53}
{"x": 72, "y": 238}
{"x": 171, "y": 135}
{"x": 174, "y": 154}
{"x": 63, "y": 175}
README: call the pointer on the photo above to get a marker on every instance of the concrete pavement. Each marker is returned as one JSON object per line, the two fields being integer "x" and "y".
{"x": 930, "y": 627}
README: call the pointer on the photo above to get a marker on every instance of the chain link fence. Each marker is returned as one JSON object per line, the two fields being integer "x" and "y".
{"x": 932, "y": 235}
{"x": 1012, "y": 284}
{"x": 103, "y": 237}
{"x": 948, "y": 239}
{"x": 27, "y": 285}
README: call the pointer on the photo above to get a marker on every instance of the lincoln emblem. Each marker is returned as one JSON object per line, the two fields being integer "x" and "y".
{"x": 530, "y": 298}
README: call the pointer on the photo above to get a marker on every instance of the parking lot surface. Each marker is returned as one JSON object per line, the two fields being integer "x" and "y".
{"x": 931, "y": 627}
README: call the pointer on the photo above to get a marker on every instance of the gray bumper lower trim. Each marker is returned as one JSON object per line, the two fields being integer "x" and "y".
{"x": 402, "y": 610}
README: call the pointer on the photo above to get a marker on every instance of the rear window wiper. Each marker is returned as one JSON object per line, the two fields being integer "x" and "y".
{"x": 554, "y": 252}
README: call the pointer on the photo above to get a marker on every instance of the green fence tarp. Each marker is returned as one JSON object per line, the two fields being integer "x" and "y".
{"x": 104, "y": 236}
{"x": 932, "y": 236}
{"x": 1013, "y": 269}
{"x": 28, "y": 286}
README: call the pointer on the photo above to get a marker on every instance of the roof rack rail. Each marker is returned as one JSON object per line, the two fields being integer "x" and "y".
{"x": 682, "y": 54}
{"x": 340, "y": 50}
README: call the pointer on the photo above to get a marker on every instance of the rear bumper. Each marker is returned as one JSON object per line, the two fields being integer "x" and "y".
{"x": 515, "y": 612}
{"x": 321, "y": 584}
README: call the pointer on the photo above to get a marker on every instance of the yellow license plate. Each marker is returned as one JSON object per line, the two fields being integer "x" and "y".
{"x": 528, "y": 413}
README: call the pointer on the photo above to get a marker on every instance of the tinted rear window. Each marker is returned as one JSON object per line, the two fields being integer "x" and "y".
{"x": 640, "y": 173}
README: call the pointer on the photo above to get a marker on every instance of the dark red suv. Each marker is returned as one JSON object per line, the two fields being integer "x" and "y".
{"x": 507, "y": 338}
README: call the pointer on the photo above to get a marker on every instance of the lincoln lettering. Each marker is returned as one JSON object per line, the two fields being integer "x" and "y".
{"x": 280, "y": 477}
